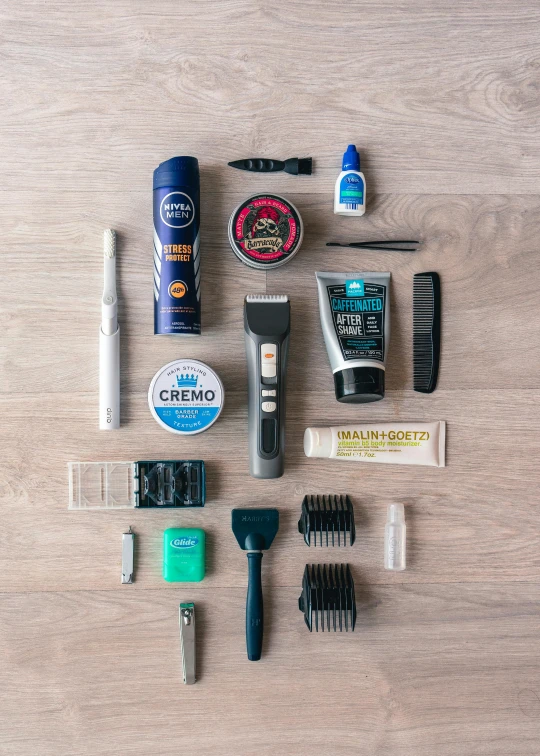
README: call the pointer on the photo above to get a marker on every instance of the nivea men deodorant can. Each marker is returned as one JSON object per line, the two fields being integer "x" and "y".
{"x": 177, "y": 275}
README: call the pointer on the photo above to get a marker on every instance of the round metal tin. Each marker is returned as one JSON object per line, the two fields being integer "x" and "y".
{"x": 265, "y": 231}
{"x": 186, "y": 397}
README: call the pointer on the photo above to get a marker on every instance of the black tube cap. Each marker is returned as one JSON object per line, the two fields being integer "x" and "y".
{"x": 178, "y": 171}
{"x": 359, "y": 385}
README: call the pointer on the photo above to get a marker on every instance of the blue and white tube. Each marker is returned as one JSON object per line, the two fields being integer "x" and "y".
{"x": 177, "y": 273}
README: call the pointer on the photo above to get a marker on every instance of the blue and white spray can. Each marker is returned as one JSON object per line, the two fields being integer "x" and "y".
{"x": 177, "y": 273}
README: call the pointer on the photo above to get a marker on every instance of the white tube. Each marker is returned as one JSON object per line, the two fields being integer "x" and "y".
{"x": 392, "y": 443}
{"x": 109, "y": 381}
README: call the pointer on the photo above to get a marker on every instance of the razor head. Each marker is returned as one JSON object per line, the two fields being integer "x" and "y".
{"x": 327, "y": 519}
{"x": 255, "y": 529}
{"x": 328, "y": 598}
{"x": 267, "y": 315}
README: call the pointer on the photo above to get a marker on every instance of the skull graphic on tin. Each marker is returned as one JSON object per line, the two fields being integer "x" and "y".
{"x": 265, "y": 231}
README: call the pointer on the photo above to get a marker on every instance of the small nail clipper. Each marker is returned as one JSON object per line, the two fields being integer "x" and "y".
{"x": 128, "y": 544}
{"x": 187, "y": 641}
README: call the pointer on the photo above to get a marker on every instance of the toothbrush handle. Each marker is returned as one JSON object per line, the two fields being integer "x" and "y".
{"x": 254, "y": 607}
{"x": 109, "y": 380}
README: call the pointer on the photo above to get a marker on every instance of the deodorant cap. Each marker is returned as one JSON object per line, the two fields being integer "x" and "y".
{"x": 318, "y": 442}
{"x": 359, "y": 385}
{"x": 178, "y": 171}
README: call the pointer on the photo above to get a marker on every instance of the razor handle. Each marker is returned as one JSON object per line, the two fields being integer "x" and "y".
{"x": 254, "y": 607}
{"x": 267, "y": 364}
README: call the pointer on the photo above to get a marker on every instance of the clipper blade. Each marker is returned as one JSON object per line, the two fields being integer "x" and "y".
{"x": 328, "y": 598}
{"x": 328, "y": 519}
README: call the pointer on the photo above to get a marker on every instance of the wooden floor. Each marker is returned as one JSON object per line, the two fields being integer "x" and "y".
{"x": 443, "y": 101}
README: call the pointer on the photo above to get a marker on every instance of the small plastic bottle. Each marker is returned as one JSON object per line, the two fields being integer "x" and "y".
{"x": 350, "y": 191}
{"x": 395, "y": 534}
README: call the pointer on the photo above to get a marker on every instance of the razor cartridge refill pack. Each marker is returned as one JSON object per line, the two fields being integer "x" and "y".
{"x": 129, "y": 485}
{"x": 327, "y": 521}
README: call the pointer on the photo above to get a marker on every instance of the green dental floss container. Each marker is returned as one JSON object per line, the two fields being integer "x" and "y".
{"x": 183, "y": 555}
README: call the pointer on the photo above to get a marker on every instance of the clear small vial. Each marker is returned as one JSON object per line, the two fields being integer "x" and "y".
{"x": 395, "y": 536}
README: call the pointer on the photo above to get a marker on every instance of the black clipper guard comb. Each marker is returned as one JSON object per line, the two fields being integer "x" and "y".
{"x": 328, "y": 598}
{"x": 328, "y": 518}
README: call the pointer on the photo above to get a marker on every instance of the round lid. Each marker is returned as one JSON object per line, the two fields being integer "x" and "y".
{"x": 186, "y": 397}
{"x": 265, "y": 231}
{"x": 359, "y": 385}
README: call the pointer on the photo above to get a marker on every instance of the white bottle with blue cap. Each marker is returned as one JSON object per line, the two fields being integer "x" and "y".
{"x": 350, "y": 192}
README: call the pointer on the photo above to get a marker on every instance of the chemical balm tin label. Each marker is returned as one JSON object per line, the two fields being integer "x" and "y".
{"x": 265, "y": 231}
{"x": 186, "y": 396}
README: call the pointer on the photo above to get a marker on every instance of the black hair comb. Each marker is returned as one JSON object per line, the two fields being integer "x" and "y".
{"x": 426, "y": 331}
{"x": 328, "y": 598}
{"x": 331, "y": 517}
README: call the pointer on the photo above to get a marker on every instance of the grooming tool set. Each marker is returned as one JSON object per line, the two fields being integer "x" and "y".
{"x": 186, "y": 396}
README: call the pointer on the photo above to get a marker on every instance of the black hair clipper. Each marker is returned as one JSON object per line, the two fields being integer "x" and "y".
{"x": 267, "y": 325}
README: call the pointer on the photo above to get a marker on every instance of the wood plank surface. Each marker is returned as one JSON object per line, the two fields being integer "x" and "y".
{"x": 442, "y": 100}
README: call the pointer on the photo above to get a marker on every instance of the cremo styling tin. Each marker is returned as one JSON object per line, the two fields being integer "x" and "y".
{"x": 186, "y": 397}
{"x": 265, "y": 231}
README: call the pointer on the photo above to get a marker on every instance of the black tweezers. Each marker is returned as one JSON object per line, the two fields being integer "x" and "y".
{"x": 380, "y": 245}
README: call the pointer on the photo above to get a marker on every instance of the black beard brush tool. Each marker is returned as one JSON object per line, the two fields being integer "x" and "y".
{"x": 255, "y": 529}
{"x": 294, "y": 166}
{"x": 327, "y": 517}
{"x": 328, "y": 598}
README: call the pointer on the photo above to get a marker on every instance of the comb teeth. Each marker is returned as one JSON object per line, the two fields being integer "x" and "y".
{"x": 426, "y": 331}
{"x": 328, "y": 598}
{"x": 328, "y": 517}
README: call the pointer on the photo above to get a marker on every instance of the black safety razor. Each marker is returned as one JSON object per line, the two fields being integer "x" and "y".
{"x": 267, "y": 328}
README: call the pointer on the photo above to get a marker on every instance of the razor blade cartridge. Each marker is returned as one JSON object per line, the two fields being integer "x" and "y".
{"x": 172, "y": 484}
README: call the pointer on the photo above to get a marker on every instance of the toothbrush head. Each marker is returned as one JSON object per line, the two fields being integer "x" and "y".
{"x": 109, "y": 243}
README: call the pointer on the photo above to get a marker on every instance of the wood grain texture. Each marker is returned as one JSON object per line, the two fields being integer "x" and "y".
{"x": 443, "y": 102}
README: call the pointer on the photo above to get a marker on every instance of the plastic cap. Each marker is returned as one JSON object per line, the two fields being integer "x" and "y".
{"x": 396, "y": 513}
{"x": 178, "y": 171}
{"x": 359, "y": 385}
{"x": 318, "y": 442}
{"x": 351, "y": 159}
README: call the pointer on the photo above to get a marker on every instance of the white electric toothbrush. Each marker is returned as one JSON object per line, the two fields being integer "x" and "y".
{"x": 109, "y": 341}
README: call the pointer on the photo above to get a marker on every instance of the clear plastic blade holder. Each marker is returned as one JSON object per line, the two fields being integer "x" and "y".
{"x": 102, "y": 485}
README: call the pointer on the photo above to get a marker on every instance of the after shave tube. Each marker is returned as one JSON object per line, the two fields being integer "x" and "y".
{"x": 393, "y": 443}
